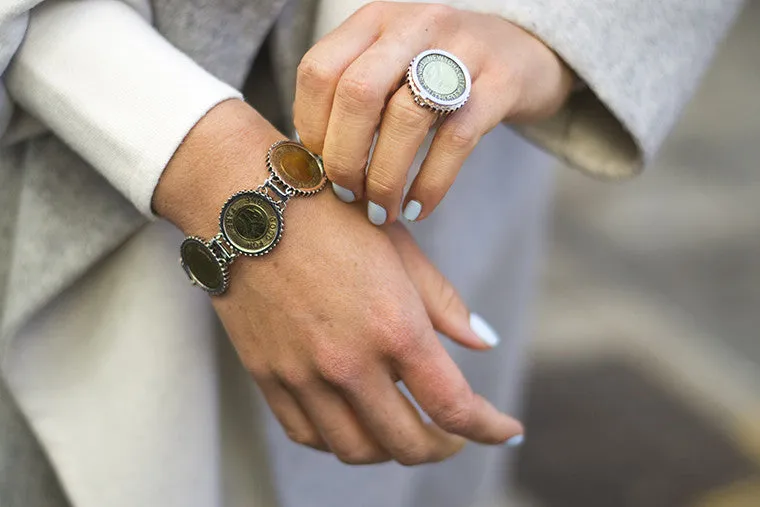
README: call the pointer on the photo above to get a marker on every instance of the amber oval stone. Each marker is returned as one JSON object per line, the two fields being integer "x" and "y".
{"x": 296, "y": 166}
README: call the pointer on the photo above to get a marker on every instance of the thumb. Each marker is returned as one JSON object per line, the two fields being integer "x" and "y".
{"x": 446, "y": 310}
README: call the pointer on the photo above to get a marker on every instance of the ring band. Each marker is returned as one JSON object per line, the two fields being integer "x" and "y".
{"x": 439, "y": 81}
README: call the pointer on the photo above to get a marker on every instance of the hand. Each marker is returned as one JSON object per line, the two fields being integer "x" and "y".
{"x": 349, "y": 85}
{"x": 329, "y": 320}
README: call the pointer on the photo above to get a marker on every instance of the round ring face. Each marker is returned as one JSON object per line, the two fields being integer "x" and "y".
{"x": 202, "y": 266}
{"x": 441, "y": 78}
{"x": 296, "y": 166}
{"x": 251, "y": 222}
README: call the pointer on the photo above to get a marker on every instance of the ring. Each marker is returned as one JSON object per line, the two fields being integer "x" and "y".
{"x": 439, "y": 81}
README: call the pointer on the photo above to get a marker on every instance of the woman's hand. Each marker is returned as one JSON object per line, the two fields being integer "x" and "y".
{"x": 350, "y": 84}
{"x": 330, "y": 320}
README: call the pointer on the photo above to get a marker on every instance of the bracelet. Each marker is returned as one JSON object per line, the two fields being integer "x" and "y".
{"x": 251, "y": 221}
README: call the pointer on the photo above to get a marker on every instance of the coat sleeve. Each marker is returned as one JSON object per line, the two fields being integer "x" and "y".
{"x": 641, "y": 61}
{"x": 99, "y": 76}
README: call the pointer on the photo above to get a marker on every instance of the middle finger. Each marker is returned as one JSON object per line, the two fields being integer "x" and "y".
{"x": 360, "y": 98}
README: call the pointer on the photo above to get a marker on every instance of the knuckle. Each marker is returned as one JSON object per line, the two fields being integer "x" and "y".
{"x": 372, "y": 8}
{"x": 303, "y": 437}
{"x": 383, "y": 187}
{"x": 340, "y": 167}
{"x": 339, "y": 369}
{"x": 461, "y": 137}
{"x": 455, "y": 413}
{"x": 449, "y": 297}
{"x": 358, "y": 91}
{"x": 260, "y": 372}
{"x": 440, "y": 14}
{"x": 358, "y": 455}
{"x": 396, "y": 332}
{"x": 314, "y": 73}
{"x": 403, "y": 112}
{"x": 414, "y": 454}
{"x": 297, "y": 379}
{"x": 433, "y": 189}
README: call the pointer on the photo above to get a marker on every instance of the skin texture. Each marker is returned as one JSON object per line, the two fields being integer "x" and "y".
{"x": 331, "y": 319}
{"x": 348, "y": 89}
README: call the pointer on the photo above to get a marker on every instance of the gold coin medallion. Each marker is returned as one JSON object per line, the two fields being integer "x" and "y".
{"x": 296, "y": 166}
{"x": 251, "y": 222}
{"x": 202, "y": 266}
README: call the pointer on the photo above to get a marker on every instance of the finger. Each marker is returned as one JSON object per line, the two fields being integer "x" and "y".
{"x": 443, "y": 393}
{"x": 447, "y": 311}
{"x": 360, "y": 97}
{"x": 291, "y": 416}
{"x": 402, "y": 131}
{"x": 338, "y": 425}
{"x": 397, "y": 425}
{"x": 453, "y": 142}
{"x": 320, "y": 70}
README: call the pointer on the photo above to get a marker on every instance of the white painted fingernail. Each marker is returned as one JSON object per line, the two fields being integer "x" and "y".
{"x": 515, "y": 441}
{"x": 484, "y": 330}
{"x": 376, "y": 213}
{"x": 343, "y": 193}
{"x": 412, "y": 210}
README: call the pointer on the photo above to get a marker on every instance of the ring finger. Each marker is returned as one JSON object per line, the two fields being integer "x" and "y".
{"x": 441, "y": 81}
{"x": 339, "y": 426}
{"x": 453, "y": 142}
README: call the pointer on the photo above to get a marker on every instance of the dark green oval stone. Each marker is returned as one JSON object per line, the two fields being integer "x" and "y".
{"x": 201, "y": 265}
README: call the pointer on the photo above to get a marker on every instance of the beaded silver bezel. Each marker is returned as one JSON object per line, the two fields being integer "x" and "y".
{"x": 223, "y": 266}
{"x": 423, "y": 97}
{"x": 242, "y": 250}
{"x": 281, "y": 180}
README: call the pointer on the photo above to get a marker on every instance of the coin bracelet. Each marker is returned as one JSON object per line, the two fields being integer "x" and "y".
{"x": 251, "y": 221}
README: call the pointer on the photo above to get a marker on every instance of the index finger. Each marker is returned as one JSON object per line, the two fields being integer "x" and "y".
{"x": 441, "y": 390}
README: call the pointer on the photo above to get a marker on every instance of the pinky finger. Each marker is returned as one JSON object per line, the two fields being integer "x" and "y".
{"x": 453, "y": 142}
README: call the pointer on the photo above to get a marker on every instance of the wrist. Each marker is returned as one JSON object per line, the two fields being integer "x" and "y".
{"x": 222, "y": 154}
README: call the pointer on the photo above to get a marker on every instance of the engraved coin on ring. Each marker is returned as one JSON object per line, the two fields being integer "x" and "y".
{"x": 439, "y": 81}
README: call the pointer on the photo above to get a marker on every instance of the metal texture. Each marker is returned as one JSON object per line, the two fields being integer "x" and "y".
{"x": 439, "y": 81}
{"x": 204, "y": 266}
{"x": 298, "y": 169}
{"x": 251, "y": 222}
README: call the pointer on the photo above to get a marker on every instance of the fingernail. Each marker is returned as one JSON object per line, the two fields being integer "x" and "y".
{"x": 484, "y": 330}
{"x": 515, "y": 441}
{"x": 412, "y": 210}
{"x": 376, "y": 213}
{"x": 343, "y": 193}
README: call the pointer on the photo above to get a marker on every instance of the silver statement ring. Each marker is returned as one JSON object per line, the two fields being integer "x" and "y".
{"x": 439, "y": 81}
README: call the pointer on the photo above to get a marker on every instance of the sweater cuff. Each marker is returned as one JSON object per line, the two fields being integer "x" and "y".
{"x": 641, "y": 60}
{"x": 112, "y": 88}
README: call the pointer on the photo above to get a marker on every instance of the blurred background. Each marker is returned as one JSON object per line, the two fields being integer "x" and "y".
{"x": 655, "y": 401}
